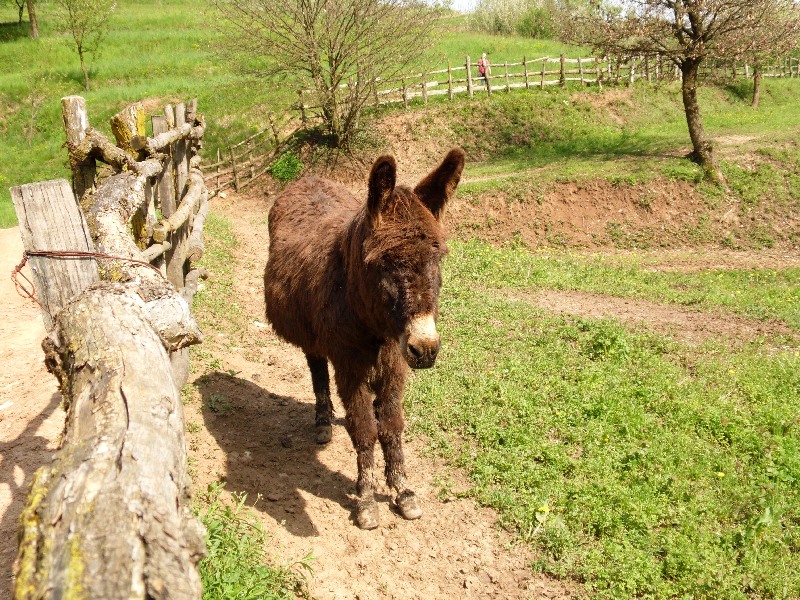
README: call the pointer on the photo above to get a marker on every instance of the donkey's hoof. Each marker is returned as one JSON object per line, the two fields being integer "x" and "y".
{"x": 408, "y": 506}
{"x": 367, "y": 515}
{"x": 324, "y": 434}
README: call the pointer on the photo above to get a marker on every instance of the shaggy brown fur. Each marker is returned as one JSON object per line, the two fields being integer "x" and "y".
{"x": 357, "y": 284}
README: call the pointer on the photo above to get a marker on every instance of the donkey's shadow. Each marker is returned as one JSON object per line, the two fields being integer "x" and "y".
{"x": 270, "y": 450}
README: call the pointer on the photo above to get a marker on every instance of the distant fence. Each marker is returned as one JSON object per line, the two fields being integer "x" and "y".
{"x": 246, "y": 161}
{"x": 543, "y": 72}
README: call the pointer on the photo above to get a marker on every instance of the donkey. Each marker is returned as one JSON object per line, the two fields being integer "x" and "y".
{"x": 357, "y": 284}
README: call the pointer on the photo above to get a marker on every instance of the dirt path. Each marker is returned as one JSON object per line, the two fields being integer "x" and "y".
{"x": 31, "y": 419}
{"x": 690, "y": 327}
{"x": 261, "y": 441}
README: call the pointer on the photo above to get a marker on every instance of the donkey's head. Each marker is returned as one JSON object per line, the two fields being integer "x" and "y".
{"x": 402, "y": 252}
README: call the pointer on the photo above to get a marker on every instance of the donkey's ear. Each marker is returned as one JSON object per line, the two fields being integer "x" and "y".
{"x": 381, "y": 185}
{"x": 440, "y": 184}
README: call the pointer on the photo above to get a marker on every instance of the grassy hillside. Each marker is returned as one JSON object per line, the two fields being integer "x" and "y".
{"x": 161, "y": 51}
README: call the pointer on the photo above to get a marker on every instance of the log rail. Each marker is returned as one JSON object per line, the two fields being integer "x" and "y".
{"x": 115, "y": 269}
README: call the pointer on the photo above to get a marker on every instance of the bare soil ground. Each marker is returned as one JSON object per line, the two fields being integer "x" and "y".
{"x": 31, "y": 419}
{"x": 250, "y": 421}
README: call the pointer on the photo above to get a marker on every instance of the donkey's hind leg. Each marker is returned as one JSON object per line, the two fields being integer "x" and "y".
{"x": 322, "y": 392}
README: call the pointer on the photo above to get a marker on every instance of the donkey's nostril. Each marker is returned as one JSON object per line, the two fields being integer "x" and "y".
{"x": 415, "y": 352}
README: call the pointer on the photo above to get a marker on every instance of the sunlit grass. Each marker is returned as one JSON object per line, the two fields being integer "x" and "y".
{"x": 631, "y": 464}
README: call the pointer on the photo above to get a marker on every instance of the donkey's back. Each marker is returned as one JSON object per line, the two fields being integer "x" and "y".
{"x": 304, "y": 267}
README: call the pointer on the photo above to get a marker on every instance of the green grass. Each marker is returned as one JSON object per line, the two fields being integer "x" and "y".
{"x": 155, "y": 50}
{"x": 236, "y": 565}
{"x": 567, "y": 136}
{"x": 631, "y": 464}
{"x": 758, "y": 293}
{"x": 585, "y": 135}
{"x": 454, "y": 41}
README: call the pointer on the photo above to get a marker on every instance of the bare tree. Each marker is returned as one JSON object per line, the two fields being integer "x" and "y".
{"x": 688, "y": 32}
{"x": 87, "y": 23}
{"x": 337, "y": 49}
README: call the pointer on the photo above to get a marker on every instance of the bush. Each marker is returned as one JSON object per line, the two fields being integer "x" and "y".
{"x": 286, "y": 168}
{"x": 536, "y": 22}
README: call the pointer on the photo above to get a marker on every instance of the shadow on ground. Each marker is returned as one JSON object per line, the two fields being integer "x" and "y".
{"x": 270, "y": 451}
{"x": 31, "y": 450}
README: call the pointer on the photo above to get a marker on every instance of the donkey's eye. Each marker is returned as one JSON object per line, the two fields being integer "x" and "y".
{"x": 389, "y": 287}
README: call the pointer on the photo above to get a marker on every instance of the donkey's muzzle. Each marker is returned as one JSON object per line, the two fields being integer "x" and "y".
{"x": 421, "y": 343}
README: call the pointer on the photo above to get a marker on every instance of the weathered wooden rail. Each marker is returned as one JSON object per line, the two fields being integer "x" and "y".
{"x": 115, "y": 272}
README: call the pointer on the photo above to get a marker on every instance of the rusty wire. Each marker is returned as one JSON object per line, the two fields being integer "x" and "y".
{"x": 30, "y": 292}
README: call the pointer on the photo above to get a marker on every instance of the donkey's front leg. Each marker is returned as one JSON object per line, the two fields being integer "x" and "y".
{"x": 389, "y": 413}
{"x": 361, "y": 425}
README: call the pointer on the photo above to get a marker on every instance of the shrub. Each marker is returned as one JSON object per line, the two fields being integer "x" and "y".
{"x": 286, "y": 168}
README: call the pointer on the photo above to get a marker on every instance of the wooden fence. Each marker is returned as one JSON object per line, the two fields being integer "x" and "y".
{"x": 543, "y": 72}
{"x": 115, "y": 273}
{"x": 249, "y": 159}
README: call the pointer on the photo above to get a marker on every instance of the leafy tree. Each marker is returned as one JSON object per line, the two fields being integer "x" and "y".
{"x": 335, "y": 49}
{"x": 87, "y": 22}
{"x": 688, "y": 32}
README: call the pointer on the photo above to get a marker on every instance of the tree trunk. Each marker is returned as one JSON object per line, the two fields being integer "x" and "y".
{"x": 21, "y": 7}
{"x": 756, "y": 85}
{"x": 111, "y": 517}
{"x": 32, "y": 19}
{"x": 702, "y": 152}
{"x": 83, "y": 68}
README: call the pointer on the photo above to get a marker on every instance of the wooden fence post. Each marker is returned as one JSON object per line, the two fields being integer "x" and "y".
{"x": 165, "y": 185}
{"x": 449, "y": 80}
{"x": 126, "y": 125}
{"x": 219, "y": 160}
{"x": 508, "y": 82}
{"x": 525, "y": 70}
{"x": 424, "y": 89}
{"x": 76, "y": 122}
{"x": 234, "y": 169}
{"x": 468, "y": 64}
{"x": 580, "y": 70}
{"x": 405, "y": 94}
{"x": 599, "y": 70}
{"x": 562, "y": 77}
{"x": 544, "y": 70}
{"x": 49, "y": 219}
{"x": 250, "y": 164}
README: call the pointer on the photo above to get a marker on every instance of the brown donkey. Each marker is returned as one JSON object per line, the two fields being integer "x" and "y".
{"x": 357, "y": 284}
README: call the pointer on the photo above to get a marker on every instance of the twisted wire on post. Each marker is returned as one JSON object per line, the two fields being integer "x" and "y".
{"x": 30, "y": 292}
